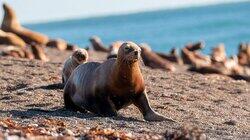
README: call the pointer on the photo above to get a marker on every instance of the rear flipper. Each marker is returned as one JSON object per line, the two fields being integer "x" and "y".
{"x": 68, "y": 103}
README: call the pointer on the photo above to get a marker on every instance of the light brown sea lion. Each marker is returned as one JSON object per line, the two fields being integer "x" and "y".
{"x": 172, "y": 57}
{"x": 154, "y": 61}
{"x": 97, "y": 44}
{"x": 228, "y": 67}
{"x": 28, "y": 53}
{"x": 194, "y": 58}
{"x": 60, "y": 44}
{"x": 219, "y": 53}
{"x": 78, "y": 57}
{"x": 12, "y": 51}
{"x": 38, "y": 52}
{"x": 244, "y": 54}
{"x": 8, "y": 38}
{"x": 113, "y": 49}
{"x": 11, "y": 24}
{"x": 104, "y": 88}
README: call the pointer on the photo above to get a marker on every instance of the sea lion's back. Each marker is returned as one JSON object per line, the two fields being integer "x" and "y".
{"x": 83, "y": 72}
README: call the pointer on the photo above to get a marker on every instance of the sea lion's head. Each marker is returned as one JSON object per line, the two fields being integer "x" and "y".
{"x": 80, "y": 55}
{"x": 95, "y": 39}
{"x": 129, "y": 52}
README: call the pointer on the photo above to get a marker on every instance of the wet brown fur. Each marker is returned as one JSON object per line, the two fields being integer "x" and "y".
{"x": 8, "y": 38}
{"x": 11, "y": 24}
{"x": 154, "y": 61}
{"x": 97, "y": 44}
{"x": 104, "y": 88}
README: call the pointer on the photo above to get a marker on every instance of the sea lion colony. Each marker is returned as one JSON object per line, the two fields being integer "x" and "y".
{"x": 18, "y": 41}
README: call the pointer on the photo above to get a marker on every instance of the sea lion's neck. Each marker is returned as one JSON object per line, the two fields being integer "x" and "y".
{"x": 127, "y": 73}
{"x": 10, "y": 19}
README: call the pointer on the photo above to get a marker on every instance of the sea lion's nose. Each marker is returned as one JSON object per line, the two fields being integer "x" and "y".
{"x": 136, "y": 52}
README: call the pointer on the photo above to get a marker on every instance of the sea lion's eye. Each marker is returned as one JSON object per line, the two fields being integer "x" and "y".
{"x": 127, "y": 48}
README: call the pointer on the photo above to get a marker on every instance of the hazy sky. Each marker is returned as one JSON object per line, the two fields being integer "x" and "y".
{"x": 29, "y": 11}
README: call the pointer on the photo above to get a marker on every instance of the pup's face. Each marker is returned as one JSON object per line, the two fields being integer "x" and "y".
{"x": 80, "y": 55}
{"x": 129, "y": 52}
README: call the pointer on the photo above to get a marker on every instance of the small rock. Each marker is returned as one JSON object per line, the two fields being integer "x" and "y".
{"x": 230, "y": 122}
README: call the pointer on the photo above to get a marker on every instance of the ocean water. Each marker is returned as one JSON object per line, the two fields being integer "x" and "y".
{"x": 162, "y": 30}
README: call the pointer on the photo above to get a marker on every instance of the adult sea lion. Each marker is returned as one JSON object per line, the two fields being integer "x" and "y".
{"x": 194, "y": 58}
{"x": 12, "y": 51}
{"x": 154, "y": 61}
{"x": 219, "y": 54}
{"x": 97, "y": 44}
{"x": 78, "y": 57}
{"x": 104, "y": 88}
{"x": 38, "y": 52}
{"x": 60, "y": 44}
{"x": 195, "y": 46}
{"x": 8, "y": 38}
{"x": 11, "y": 24}
{"x": 113, "y": 49}
{"x": 172, "y": 57}
{"x": 244, "y": 54}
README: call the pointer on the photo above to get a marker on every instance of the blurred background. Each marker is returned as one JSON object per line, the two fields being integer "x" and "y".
{"x": 162, "y": 24}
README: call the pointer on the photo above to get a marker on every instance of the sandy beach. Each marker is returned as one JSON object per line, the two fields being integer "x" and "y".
{"x": 30, "y": 92}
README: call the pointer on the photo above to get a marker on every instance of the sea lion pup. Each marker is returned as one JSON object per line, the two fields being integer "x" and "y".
{"x": 172, "y": 57}
{"x": 78, "y": 57}
{"x": 97, "y": 44}
{"x": 11, "y": 24}
{"x": 104, "y": 88}
{"x": 154, "y": 61}
{"x": 60, "y": 44}
{"x": 219, "y": 54}
{"x": 113, "y": 49}
{"x": 8, "y": 38}
{"x": 38, "y": 52}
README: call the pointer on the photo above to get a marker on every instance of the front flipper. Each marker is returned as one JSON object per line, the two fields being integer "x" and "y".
{"x": 106, "y": 107}
{"x": 141, "y": 101}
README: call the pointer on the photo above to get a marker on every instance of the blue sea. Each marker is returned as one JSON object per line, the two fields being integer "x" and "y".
{"x": 162, "y": 30}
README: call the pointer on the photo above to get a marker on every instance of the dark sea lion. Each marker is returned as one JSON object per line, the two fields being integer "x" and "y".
{"x": 60, "y": 44}
{"x": 104, "y": 88}
{"x": 113, "y": 49}
{"x": 219, "y": 53}
{"x": 78, "y": 57}
{"x": 154, "y": 61}
{"x": 195, "y": 46}
{"x": 71, "y": 47}
{"x": 97, "y": 44}
{"x": 38, "y": 52}
{"x": 8, "y": 38}
{"x": 11, "y": 24}
{"x": 172, "y": 57}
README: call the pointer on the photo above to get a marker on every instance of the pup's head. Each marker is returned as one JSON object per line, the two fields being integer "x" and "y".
{"x": 80, "y": 55}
